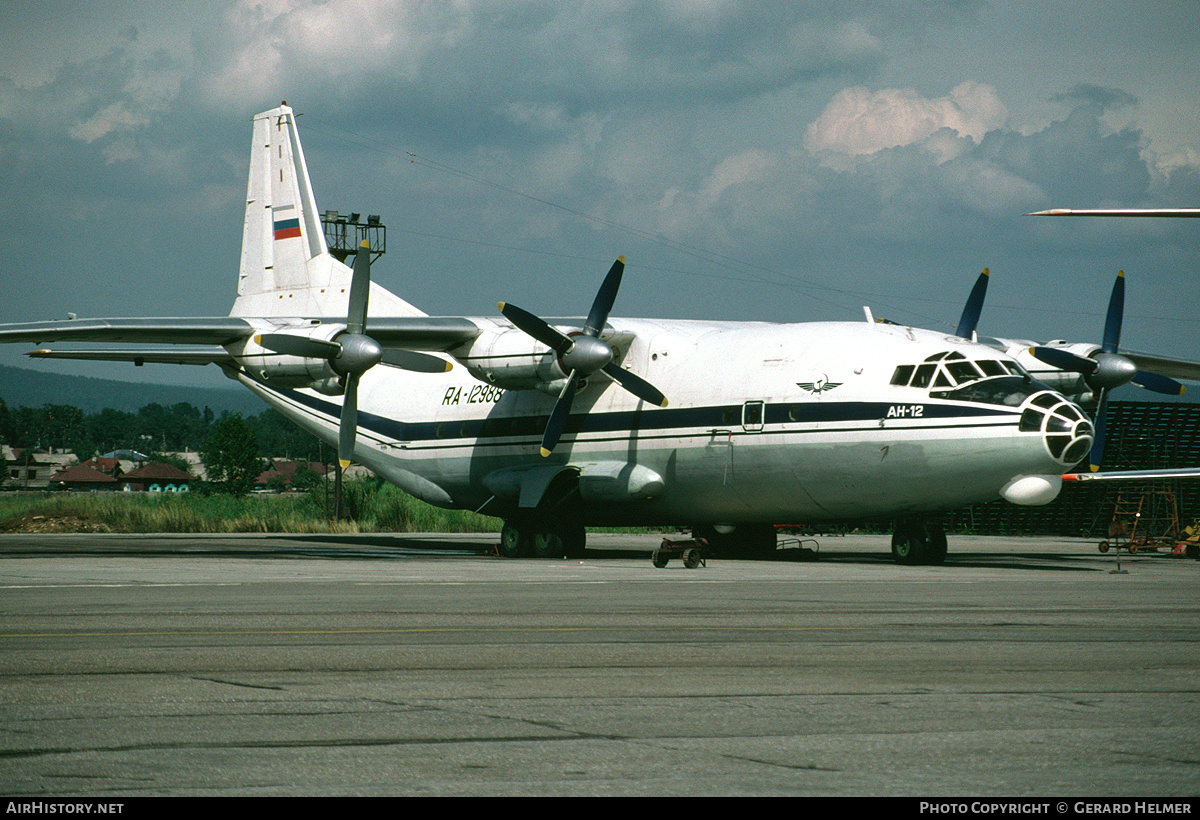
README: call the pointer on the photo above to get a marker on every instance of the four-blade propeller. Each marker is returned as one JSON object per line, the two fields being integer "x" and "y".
{"x": 350, "y": 355}
{"x": 582, "y": 354}
{"x": 1107, "y": 369}
{"x": 352, "y": 352}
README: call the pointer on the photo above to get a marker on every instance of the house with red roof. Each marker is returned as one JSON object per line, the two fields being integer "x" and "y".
{"x": 156, "y": 477}
{"x": 281, "y": 473}
{"x": 85, "y": 479}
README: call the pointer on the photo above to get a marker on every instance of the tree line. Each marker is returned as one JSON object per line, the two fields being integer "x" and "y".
{"x": 154, "y": 428}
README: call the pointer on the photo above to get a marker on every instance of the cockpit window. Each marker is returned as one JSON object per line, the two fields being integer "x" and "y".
{"x": 963, "y": 371}
{"x": 952, "y": 369}
{"x": 923, "y": 375}
{"x": 991, "y": 367}
{"x": 903, "y": 375}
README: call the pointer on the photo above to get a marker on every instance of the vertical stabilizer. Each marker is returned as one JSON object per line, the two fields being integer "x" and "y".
{"x": 286, "y": 269}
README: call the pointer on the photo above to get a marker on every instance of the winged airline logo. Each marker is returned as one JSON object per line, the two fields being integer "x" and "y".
{"x": 821, "y": 385}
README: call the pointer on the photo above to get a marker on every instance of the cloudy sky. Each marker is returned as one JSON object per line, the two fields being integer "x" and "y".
{"x": 783, "y": 162}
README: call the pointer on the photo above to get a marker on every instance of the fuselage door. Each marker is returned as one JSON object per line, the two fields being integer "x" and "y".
{"x": 752, "y": 416}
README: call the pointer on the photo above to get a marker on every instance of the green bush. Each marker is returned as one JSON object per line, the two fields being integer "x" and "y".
{"x": 377, "y": 507}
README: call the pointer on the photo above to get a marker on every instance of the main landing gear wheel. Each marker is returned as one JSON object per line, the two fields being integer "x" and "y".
{"x": 919, "y": 543}
{"x": 514, "y": 542}
{"x": 542, "y": 539}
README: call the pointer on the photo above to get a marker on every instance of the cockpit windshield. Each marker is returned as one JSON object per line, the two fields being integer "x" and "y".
{"x": 1007, "y": 390}
{"x": 951, "y": 375}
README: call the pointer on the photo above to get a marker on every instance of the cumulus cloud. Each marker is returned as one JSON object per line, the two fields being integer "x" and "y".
{"x": 859, "y": 122}
{"x": 258, "y": 50}
{"x": 748, "y": 167}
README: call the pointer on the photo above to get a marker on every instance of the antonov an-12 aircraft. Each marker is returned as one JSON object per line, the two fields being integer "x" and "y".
{"x": 729, "y": 427}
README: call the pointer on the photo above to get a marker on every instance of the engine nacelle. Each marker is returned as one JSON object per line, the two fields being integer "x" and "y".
{"x": 1066, "y": 382}
{"x": 512, "y": 360}
{"x": 282, "y": 370}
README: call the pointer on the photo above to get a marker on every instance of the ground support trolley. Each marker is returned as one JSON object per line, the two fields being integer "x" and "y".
{"x": 691, "y": 551}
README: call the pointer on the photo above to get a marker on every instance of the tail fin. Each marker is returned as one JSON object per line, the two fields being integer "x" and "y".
{"x": 286, "y": 267}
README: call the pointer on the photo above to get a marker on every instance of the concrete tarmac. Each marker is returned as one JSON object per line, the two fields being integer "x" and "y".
{"x": 415, "y": 665}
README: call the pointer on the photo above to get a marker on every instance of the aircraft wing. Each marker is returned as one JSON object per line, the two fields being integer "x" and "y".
{"x": 217, "y": 331}
{"x": 1185, "y": 213}
{"x": 398, "y": 332}
{"x": 1134, "y": 475}
{"x": 184, "y": 354}
{"x": 1174, "y": 368}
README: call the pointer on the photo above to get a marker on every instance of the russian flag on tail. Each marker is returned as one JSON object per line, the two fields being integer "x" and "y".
{"x": 287, "y": 228}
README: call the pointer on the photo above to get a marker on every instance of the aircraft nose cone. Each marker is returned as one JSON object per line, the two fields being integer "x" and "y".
{"x": 1066, "y": 432}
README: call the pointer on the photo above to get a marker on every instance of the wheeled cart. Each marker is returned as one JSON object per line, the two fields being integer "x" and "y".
{"x": 691, "y": 551}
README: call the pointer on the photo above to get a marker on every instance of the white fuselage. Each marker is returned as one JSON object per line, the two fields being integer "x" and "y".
{"x": 766, "y": 423}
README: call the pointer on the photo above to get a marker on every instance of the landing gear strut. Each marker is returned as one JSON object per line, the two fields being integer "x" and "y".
{"x": 917, "y": 541}
{"x": 525, "y": 536}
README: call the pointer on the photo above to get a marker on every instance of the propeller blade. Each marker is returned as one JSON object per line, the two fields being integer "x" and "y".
{"x": 1097, "y": 453}
{"x": 558, "y": 417}
{"x": 348, "y": 426}
{"x": 306, "y": 348}
{"x": 1157, "y": 383}
{"x": 360, "y": 290}
{"x": 1064, "y": 360}
{"x": 636, "y": 385}
{"x": 337, "y": 493}
{"x": 602, "y": 305}
{"x": 1112, "y": 322}
{"x": 536, "y": 327}
{"x": 415, "y": 362}
{"x": 973, "y": 307}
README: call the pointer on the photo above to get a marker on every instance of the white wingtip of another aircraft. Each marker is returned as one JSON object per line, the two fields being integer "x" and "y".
{"x": 1179, "y": 212}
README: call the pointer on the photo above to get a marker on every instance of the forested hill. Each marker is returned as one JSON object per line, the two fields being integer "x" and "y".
{"x": 32, "y": 388}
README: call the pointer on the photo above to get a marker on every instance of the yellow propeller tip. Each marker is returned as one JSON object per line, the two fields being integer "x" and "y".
{"x": 500, "y": 305}
{"x": 365, "y": 244}
{"x": 664, "y": 404}
{"x": 621, "y": 259}
{"x": 545, "y": 452}
{"x": 344, "y": 464}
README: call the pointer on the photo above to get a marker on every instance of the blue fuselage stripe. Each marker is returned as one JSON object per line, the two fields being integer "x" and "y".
{"x": 652, "y": 420}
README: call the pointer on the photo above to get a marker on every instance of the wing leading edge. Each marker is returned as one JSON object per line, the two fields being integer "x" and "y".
{"x": 202, "y": 341}
{"x": 1134, "y": 475}
{"x": 218, "y": 331}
